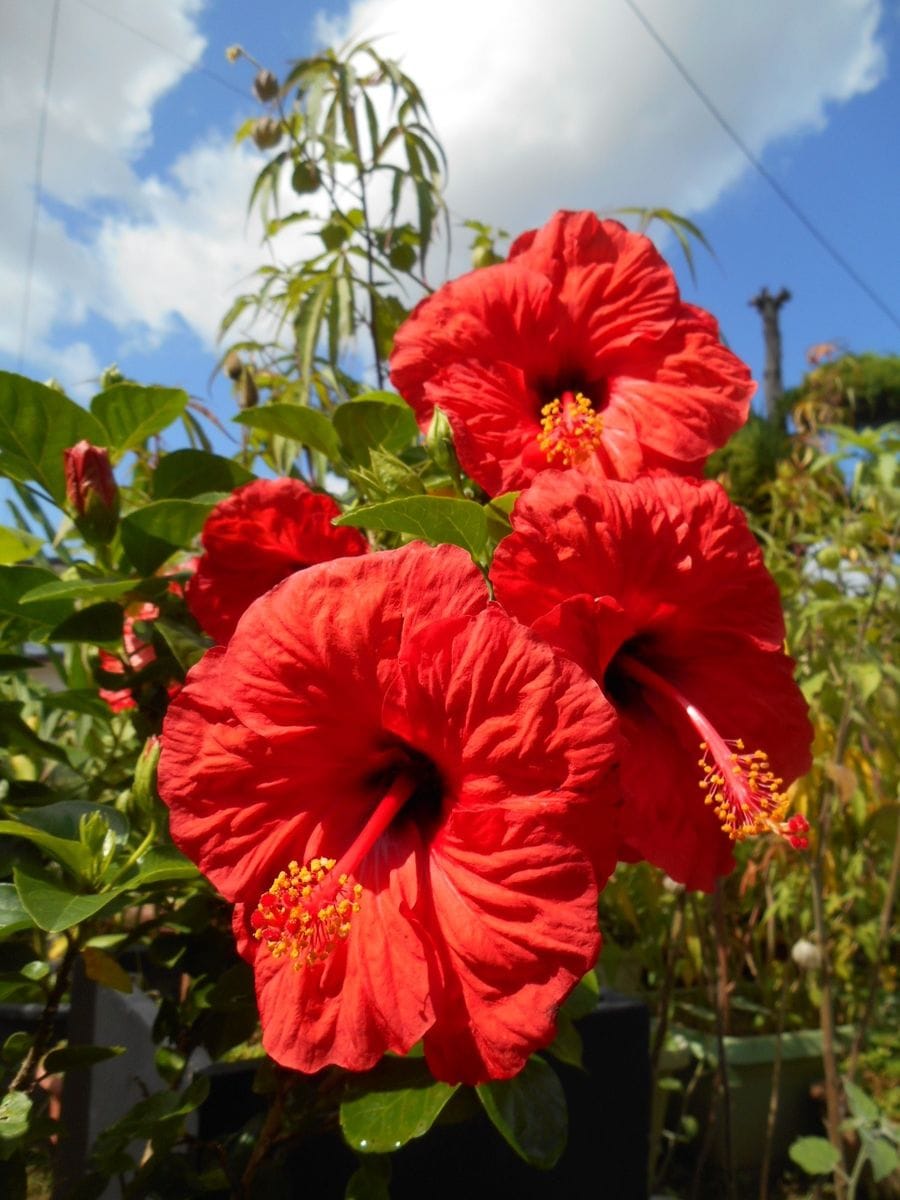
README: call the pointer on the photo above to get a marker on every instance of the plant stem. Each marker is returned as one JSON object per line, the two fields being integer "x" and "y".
{"x": 24, "y": 1078}
{"x": 774, "y": 1094}
{"x": 722, "y": 1025}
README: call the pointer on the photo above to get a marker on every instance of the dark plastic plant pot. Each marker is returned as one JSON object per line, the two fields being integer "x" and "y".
{"x": 750, "y": 1062}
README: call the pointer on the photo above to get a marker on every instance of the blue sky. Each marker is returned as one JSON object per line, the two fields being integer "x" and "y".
{"x": 142, "y": 237}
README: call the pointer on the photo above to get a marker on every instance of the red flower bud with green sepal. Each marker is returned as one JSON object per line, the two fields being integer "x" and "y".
{"x": 92, "y": 491}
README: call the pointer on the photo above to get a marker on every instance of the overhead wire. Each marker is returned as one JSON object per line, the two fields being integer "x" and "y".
{"x": 761, "y": 170}
{"x": 31, "y": 252}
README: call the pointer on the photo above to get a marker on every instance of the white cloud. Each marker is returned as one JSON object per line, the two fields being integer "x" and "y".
{"x": 571, "y": 104}
{"x": 540, "y": 105}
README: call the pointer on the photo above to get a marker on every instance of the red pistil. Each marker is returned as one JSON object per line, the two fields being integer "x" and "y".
{"x": 571, "y": 429}
{"x": 745, "y": 794}
{"x": 307, "y": 910}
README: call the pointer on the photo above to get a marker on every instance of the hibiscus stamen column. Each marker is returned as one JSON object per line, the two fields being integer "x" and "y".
{"x": 571, "y": 429}
{"x": 307, "y": 911}
{"x": 743, "y": 791}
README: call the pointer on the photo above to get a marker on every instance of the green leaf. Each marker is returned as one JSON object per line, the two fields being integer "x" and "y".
{"x": 63, "y": 819}
{"x": 102, "y": 968}
{"x": 15, "y": 1113}
{"x": 131, "y": 413}
{"x": 153, "y": 533}
{"x": 15, "y": 545}
{"x": 862, "y": 1107}
{"x": 530, "y": 1112}
{"x": 71, "y": 854}
{"x": 15, "y": 583}
{"x": 36, "y": 425}
{"x": 378, "y": 1122}
{"x": 164, "y": 864}
{"x": 13, "y": 916}
{"x": 18, "y": 662}
{"x": 17, "y": 735}
{"x": 374, "y": 419}
{"x": 882, "y": 1155}
{"x": 371, "y": 1179}
{"x": 432, "y": 518}
{"x": 64, "y": 1058}
{"x": 305, "y": 425}
{"x": 567, "y": 1045}
{"x": 54, "y": 907}
{"x": 188, "y": 473}
{"x": 78, "y": 589}
{"x": 867, "y": 677}
{"x": 99, "y": 624}
{"x": 814, "y": 1155}
{"x": 187, "y": 645}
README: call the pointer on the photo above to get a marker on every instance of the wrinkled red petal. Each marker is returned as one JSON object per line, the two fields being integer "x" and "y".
{"x": 263, "y": 532}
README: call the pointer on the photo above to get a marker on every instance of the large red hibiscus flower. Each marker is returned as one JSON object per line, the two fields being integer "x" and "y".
{"x": 577, "y": 351}
{"x": 658, "y": 588}
{"x": 387, "y": 775}
{"x": 263, "y": 532}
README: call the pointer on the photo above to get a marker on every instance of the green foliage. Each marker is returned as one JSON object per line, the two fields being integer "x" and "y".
{"x": 530, "y": 1112}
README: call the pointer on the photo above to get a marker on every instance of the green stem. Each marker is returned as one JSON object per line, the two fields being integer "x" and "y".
{"x": 135, "y": 856}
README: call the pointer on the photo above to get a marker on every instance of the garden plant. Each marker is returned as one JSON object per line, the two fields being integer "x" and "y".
{"x": 492, "y": 654}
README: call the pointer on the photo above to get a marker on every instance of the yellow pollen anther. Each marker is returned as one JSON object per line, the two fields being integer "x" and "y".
{"x": 306, "y": 912}
{"x": 570, "y": 429}
{"x": 749, "y": 800}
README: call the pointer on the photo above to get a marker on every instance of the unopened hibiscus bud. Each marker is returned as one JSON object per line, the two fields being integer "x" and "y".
{"x": 806, "y": 955}
{"x": 439, "y": 443}
{"x": 266, "y": 132}
{"x": 92, "y": 491}
{"x": 234, "y": 368}
{"x": 110, "y": 376}
{"x": 265, "y": 85}
{"x": 145, "y": 797}
{"x": 233, "y": 53}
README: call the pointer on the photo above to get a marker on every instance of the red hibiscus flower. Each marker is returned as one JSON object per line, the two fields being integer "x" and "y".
{"x": 577, "y": 351}
{"x": 262, "y": 533}
{"x": 384, "y": 774}
{"x": 659, "y": 590}
{"x": 138, "y": 655}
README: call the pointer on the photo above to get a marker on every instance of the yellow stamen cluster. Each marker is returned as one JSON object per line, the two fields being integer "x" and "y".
{"x": 745, "y": 794}
{"x": 306, "y": 912}
{"x": 570, "y": 429}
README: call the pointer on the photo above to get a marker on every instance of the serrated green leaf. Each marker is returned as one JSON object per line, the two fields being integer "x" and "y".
{"x": 371, "y": 420}
{"x": 862, "y": 1107}
{"x": 131, "y": 414}
{"x": 36, "y": 425}
{"x": 54, "y": 907}
{"x": 436, "y": 519}
{"x": 153, "y": 533}
{"x": 378, "y": 1122}
{"x": 185, "y": 474}
{"x": 530, "y": 1112}
{"x": 881, "y": 1154}
{"x": 814, "y": 1155}
{"x": 297, "y": 422}
{"x": 16, "y": 545}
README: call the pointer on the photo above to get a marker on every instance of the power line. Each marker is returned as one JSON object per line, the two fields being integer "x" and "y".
{"x": 38, "y": 185}
{"x": 183, "y": 58}
{"x": 770, "y": 179}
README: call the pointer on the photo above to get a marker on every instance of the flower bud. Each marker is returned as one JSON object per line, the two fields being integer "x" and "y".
{"x": 266, "y": 132}
{"x": 233, "y": 53}
{"x": 806, "y": 955}
{"x": 92, "y": 491}
{"x": 144, "y": 796}
{"x": 265, "y": 85}
{"x": 439, "y": 443}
